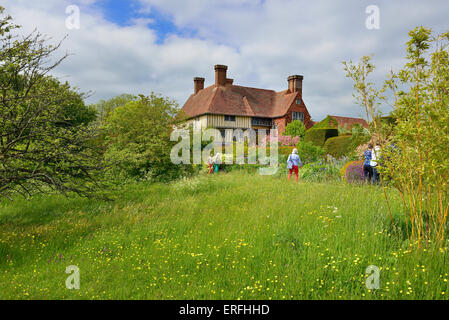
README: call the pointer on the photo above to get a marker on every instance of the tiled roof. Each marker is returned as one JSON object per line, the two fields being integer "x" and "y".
{"x": 348, "y": 122}
{"x": 239, "y": 101}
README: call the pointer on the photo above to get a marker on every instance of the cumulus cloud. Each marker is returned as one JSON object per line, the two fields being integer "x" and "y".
{"x": 262, "y": 42}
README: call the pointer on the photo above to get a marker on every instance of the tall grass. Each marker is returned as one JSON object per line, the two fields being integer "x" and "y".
{"x": 226, "y": 236}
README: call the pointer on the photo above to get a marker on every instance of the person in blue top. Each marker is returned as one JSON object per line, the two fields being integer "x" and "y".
{"x": 293, "y": 164}
{"x": 367, "y": 169}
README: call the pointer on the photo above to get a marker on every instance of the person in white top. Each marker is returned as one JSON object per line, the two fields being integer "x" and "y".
{"x": 210, "y": 162}
{"x": 375, "y": 157}
{"x": 217, "y": 161}
{"x": 293, "y": 164}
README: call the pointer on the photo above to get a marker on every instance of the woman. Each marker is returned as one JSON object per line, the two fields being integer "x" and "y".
{"x": 210, "y": 161}
{"x": 367, "y": 169}
{"x": 375, "y": 157}
{"x": 217, "y": 162}
{"x": 293, "y": 164}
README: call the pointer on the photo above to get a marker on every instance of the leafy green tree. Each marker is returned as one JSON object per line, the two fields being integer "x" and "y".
{"x": 138, "y": 138}
{"x": 105, "y": 107}
{"x": 295, "y": 129}
{"x": 366, "y": 94}
{"x": 45, "y": 137}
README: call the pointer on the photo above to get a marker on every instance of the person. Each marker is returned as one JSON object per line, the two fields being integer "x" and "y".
{"x": 293, "y": 164}
{"x": 374, "y": 163}
{"x": 367, "y": 169}
{"x": 210, "y": 161}
{"x": 217, "y": 161}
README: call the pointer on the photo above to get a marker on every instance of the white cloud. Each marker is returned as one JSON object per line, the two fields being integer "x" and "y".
{"x": 262, "y": 42}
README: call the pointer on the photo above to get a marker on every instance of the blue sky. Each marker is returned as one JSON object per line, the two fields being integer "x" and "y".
{"x": 140, "y": 46}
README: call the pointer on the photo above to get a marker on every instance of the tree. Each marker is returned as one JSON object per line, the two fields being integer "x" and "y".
{"x": 45, "y": 138}
{"x": 137, "y": 136}
{"x": 105, "y": 107}
{"x": 295, "y": 129}
{"x": 366, "y": 94}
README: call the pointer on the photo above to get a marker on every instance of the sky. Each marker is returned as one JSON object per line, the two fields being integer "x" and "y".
{"x": 140, "y": 46}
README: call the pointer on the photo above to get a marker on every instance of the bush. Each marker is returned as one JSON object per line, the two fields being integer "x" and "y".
{"x": 308, "y": 152}
{"x": 352, "y": 171}
{"x": 318, "y": 136}
{"x": 318, "y": 171}
{"x": 339, "y": 146}
{"x": 326, "y": 123}
{"x": 295, "y": 129}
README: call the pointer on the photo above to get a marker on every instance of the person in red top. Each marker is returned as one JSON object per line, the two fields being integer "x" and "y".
{"x": 210, "y": 161}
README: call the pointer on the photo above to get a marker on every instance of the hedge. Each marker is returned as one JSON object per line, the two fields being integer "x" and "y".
{"x": 338, "y": 146}
{"x": 318, "y": 136}
{"x": 328, "y": 122}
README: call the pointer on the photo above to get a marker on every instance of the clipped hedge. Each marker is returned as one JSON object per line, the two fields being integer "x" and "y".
{"x": 318, "y": 136}
{"x": 339, "y": 146}
{"x": 328, "y": 122}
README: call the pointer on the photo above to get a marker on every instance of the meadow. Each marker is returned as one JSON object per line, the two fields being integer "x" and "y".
{"x": 228, "y": 236}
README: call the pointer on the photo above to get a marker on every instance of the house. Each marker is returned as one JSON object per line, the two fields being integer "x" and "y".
{"x": 225, "y": 105}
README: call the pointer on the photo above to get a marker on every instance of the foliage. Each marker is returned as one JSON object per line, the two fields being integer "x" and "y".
{"x": 319, "y": 171}
{"x": 137, "y": 136}
{"x": 318, "y": 136}
{"x": 353, "y": 171}
{"x": 308, "y": 152}
{"x": 417, "y": 159}
{"x": 288, "y": 140}
{"x": 105, "y": 107}
{"x": 296, "y": 128}
{"x": 45, "y": 137}
{"x": 326, "y": 123}
{"x": 366, "y": 94}
{"x": 339, "y": 146}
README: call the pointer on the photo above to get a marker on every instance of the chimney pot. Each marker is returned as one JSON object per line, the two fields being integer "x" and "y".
{"x": 220, "y": 75}
{"x": 198, "y": 84}
{"x": 295, "y": 84}
{"x": 229, "y": 81}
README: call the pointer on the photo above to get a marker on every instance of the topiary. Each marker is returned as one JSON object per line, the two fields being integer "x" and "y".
{"x": 339, "y": 146}
{"x": 318, "y": 136}
{"x": 328, "y": 122}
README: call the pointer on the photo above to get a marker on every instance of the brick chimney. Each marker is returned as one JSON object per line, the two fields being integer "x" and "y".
{"x": 220, "y": 75}
{"x": 229, "y": 81}
{"x": 198, "y": 84}
{"x": 295, "y": 84}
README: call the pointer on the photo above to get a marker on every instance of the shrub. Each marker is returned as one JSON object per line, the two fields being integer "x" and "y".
{"x": 326, "y": 123}
{"x": 339, "y": 146}
{"x": 352, "y": 171}
{"x": 318, "y": 136}
{"x": 318, "y": 171}
{"x": 295, "y": 129}
{"x": 308, "y": 152}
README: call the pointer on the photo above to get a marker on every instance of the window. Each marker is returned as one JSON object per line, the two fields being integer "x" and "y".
{"x": 298, "y": 101}
{"x": 230, "y": 118}
{"x": 265, "y": 122}
{"x": 298, "y": 116}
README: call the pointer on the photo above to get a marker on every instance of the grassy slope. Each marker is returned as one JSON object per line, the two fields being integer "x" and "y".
{"x": 222, "y": 237}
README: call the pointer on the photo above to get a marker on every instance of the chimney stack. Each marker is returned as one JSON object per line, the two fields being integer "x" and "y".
{"x": 229, "y": 81}
{"x": 220, "y": 75}
{"x": 295, "y": 84}
{"x": 198, "y": 84}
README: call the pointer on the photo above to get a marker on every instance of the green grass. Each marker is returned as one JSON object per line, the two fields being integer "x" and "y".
{"x": 228, "y": 236}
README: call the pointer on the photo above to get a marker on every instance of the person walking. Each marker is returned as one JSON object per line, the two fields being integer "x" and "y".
{"x": 375, "y": 157}
{"x": 367, "y": 169}
{"x": 293, "y": 164}
{"x": 217, "y": 162}
{"x": 210, "y": 162}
